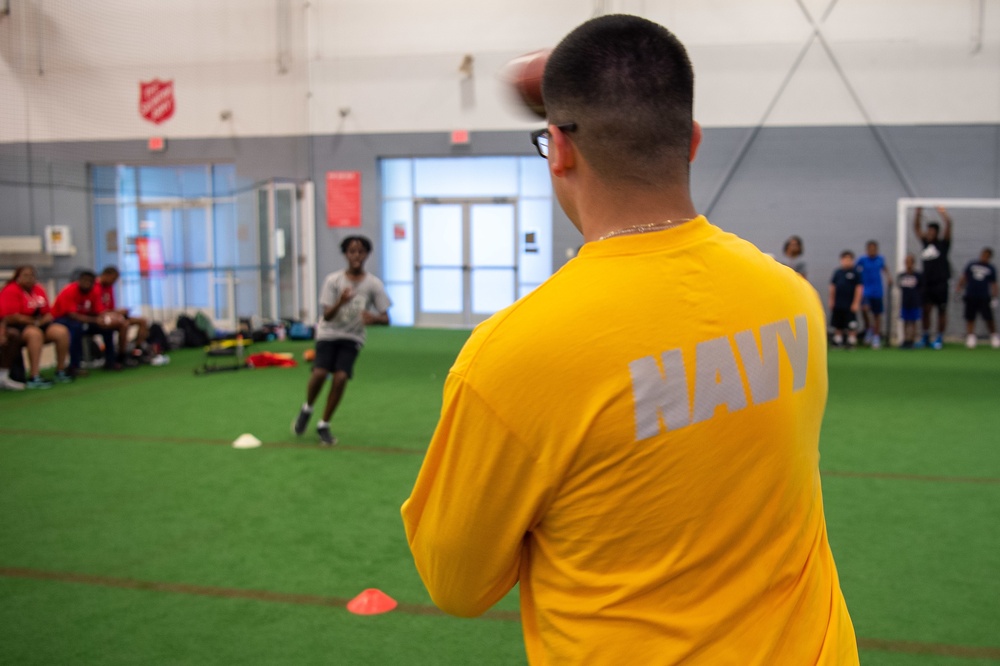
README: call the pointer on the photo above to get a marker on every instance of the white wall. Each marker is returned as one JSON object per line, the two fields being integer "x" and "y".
{"x": 70, "y": 70}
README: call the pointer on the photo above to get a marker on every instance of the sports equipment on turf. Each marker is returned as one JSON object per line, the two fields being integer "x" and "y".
{"x": 246, "y": 441}
{"x": 524, "y": 74}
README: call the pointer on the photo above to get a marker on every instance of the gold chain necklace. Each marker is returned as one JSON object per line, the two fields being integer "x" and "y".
{"x": 644, "y": 228}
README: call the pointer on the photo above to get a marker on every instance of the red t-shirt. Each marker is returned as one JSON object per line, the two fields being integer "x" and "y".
{"x": 15, "y": 300}
{"x": 71, "y": 299}
{"x": 104, "y": 297}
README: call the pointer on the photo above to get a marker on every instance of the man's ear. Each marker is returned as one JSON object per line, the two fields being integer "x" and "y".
{"x": 695, "y": 139}
{"x": 562, "y": 152}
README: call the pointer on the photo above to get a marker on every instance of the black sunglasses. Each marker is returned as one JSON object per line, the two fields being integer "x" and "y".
{"x": 540, "y": 138}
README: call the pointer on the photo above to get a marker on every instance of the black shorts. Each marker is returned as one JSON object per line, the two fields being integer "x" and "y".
{"x": 978, "y": 307}
{"x": 843, "y": 319}
{"x": 21, "y": 327}
{"x": 337, "y": 355}
{"x": 874, "y": 304}
{"x": 936, "y": 293}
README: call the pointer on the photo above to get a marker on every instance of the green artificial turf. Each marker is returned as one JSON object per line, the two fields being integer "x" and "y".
{"x": 132, "y": 532}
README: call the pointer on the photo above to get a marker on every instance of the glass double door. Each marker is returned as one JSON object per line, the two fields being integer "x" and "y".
{"x": 182, "y": 233}
{"x": 465, "y": 260}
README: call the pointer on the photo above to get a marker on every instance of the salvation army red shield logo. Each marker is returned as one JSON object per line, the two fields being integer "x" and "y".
{"x": 156, "y": 100}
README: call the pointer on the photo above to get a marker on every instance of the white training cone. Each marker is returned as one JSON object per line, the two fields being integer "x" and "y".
{"x": 246, "y": 441}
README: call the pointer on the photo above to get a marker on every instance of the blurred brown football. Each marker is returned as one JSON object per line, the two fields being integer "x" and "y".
{"x": 524, "y": 74}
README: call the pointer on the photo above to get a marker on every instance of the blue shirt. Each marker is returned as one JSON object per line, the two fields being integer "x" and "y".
{"x": 871, "y": 274}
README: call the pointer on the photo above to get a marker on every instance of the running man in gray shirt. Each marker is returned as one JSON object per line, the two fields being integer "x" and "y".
{"x": 350, "y": 299}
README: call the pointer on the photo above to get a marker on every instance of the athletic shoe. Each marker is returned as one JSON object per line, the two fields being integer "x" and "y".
{"x": 301, "y": 421}
{"x": 876, "y": 342}
{"x": 970, "y": 341}
{"x": 37, "y": 382}
{"x": 326, "y": 437}
{"x": 995, "y": 341}
{"x": 938, "y": 343}
{"x": 8, "y": 384}
{"x": 159, "y": 359}
{"x": 63, "y": 377}
{"x": 923, "y": 342}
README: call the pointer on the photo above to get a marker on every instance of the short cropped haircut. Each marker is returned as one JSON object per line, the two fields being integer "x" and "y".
{"x": 365, "y": 243}
{"x": 988, "y": 250}
{"x": 628, "y": 85}
{"x": 934, "y": 225}
{"x": 110, "y": 270}
{"x": 846, "y": 253}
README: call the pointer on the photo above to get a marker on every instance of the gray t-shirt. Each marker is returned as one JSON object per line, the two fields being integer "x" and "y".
{"x": 369, "y": 294}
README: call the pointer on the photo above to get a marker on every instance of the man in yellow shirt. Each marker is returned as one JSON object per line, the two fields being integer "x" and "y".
{"x": 636, "y": 441}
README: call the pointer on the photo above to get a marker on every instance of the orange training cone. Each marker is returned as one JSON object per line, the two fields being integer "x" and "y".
{"x": 371, "y": 602}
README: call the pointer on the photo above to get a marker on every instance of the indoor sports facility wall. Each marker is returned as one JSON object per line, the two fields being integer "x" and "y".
{"x": 819, "y": 114}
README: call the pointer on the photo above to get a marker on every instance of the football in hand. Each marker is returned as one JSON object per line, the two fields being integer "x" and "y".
{"x": 524, "y": 74}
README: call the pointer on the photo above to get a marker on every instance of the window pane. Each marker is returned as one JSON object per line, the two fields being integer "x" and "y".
{"x": 492, "y": 235}
{"x": 224, "y": 180}
{"x": 441, "y": 235}
{"x": 466, "y": 177}
{"x": 401, "y": 312}
{"x": 397, "y": 179}
{"x": 441, "y": 290}
{"x": 535, "y": 240}
{"x": 535, "y": 179}
{"x": 397, "y": 241}
{"x": 492, "y": 289}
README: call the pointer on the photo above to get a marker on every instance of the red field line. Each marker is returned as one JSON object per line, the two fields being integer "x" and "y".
{"x": 57, "y": 434}
{"x": 215, "y": 441}
{"x": 222, "y": 592}
{"x": 911, "y": 477}
{"x": 906, "y": 647}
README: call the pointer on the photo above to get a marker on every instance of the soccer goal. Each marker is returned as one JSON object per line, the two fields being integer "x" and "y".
{"x": 976, "y": 224}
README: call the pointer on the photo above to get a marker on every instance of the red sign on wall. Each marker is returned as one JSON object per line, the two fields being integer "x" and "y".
{"x": 150, "y": 251}
{"x": 156, "y": 100}
{"x": 343, "y": 198}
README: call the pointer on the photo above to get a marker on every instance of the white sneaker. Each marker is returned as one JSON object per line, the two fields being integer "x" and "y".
{"x": 8, "y": 384}
{"x": 995, "y": 341}
{"x": 159, "y": 359}
{"x": 970, "y": 341}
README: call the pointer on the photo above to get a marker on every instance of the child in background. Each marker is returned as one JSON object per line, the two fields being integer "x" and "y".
{"x": 872, "y": 266}
{"x": 845, "y": 300}
{"x": 979, "y": 280}
{"x": 911, "y": 287}
{"x": 792, "y": 255}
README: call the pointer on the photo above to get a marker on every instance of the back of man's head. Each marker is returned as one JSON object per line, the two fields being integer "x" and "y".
{"x": 628, "y": 85}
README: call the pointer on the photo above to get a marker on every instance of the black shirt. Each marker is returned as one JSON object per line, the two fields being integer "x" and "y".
{"x": 911, "y": 287}
{"x": 844, "y": 281}
{"x": 935, "y": 259}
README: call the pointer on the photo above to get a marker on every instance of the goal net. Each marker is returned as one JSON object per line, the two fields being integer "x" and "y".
{"x": 975, "y": 225}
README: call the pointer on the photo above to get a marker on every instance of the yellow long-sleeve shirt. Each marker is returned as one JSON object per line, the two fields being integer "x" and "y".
{"x": 636, "y": 443}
